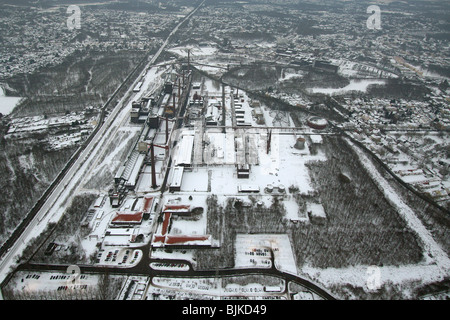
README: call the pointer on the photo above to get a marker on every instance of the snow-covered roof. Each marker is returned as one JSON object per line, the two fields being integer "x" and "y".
{"x": 184, "y": 154}
{"x": 127, "y": 217}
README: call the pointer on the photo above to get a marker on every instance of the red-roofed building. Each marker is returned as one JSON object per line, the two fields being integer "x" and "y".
{"x": 189, "y": 240}
{"x": 185, "y": 241}
{"x": 163, "y": 238}
{"x": 166, "y": 222}
{"x": 127, "y": 218}
{"x": 148, "y": 202}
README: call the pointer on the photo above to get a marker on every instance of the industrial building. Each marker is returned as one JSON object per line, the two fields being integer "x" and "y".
{"x": 243, "y": 171}
{"x": 163, "y": 238}
{"x": 140, "y": 111}
{"x": 248, "y": 188}
{"x": 127, "y": 218}
{"x": 243, "y": 118}
{"x": 300, "y": 143}
{"x": 317, "y": 123}
{"x": 212, "y": 116}
{"x": 128, "y": 174}
{"x": 176, "y": 179}
{"x": 258, "y": 114}
{"x": 183, "y": 152}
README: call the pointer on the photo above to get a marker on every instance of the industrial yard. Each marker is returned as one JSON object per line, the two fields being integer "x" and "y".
{"x": 161, "y": 190}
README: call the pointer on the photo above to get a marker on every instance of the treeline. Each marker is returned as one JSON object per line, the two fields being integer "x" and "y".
{"x": 399, "y": 89}
{"x": 75, "y": 293}
{"x": 222, "y": 257}
{"x": 439, "y": 69}
{"x": 49, "y": 105}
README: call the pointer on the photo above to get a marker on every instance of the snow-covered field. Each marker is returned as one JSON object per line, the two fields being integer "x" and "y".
{"x": 195, "y": 51}
{"x": 354, "y": 85}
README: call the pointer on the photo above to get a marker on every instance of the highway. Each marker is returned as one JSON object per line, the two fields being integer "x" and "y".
{"x": 51, "y": 206}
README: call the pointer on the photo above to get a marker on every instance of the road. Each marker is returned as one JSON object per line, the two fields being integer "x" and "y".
{"x": 143, "y": 269}
{"x": 51, "y": 206}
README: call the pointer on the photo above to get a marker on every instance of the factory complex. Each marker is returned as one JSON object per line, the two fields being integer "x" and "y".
{"x": 198, "y": 138}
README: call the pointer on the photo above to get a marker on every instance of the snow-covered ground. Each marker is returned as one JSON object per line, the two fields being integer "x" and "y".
{"x": 7, "y": 104}
{"x": 354, "y": 85}
{"x": 194, "y": 51}
{"x": 256, "y": 251}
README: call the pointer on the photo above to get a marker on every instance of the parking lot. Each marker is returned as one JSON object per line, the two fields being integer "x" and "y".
{"x": 121, "y": 257}
{"x": 261, "y": 250}
{"x": 170, "y": 266}
{"x": 54, "y": 284}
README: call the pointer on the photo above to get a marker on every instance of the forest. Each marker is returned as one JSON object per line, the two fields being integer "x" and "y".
{"x": 362, "y": 227}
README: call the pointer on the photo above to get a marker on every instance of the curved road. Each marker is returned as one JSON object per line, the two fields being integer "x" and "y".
{"x": 143, "y": 269}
